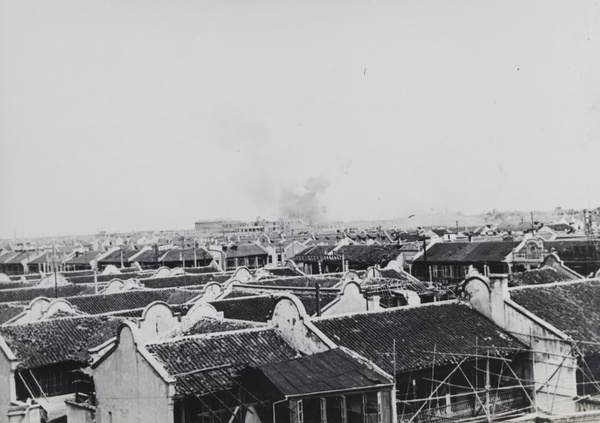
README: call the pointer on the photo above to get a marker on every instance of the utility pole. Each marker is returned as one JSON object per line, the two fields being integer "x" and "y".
{"x": 182, "y": 251}
{"x": 55, "y": 263}
{"x": 156, "y": 254}
{"x": 425, "y": 258}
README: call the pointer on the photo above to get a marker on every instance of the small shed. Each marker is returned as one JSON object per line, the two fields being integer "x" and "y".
{"x": 332, "y": 386}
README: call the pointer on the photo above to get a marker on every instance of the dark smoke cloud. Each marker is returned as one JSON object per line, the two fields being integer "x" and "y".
{"x": 303, "y": 202}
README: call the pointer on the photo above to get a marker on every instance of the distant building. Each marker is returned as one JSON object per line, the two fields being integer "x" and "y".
{"x": 209, "y": 226}
{"x": 450, "y": 262}
{"x": 248, "y": 228}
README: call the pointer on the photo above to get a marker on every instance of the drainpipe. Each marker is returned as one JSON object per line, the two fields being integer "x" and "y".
{"x": 318, "y": 299}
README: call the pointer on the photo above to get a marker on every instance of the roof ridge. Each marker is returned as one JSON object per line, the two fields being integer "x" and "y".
{"x": 552, "y": 284}
{"x": 62, "y": 318}
{"x": 125, "y": 292}
{"x": 201, "y": 336}
{"x": 241, "y": 298}
{"x": 389, "y": 310}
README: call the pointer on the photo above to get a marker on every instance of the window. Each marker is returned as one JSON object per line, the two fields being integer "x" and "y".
{"x": 297, "y": 412}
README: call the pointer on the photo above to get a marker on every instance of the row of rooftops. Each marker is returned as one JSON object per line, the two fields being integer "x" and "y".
{"x": 206, "y": 353}
{"x": 371, "y": 334}
{"x": 314, "y": 246}
{"x": 134, "y": 290}
{"x": 502, "y": 250}
{"x": 417, "y": 334}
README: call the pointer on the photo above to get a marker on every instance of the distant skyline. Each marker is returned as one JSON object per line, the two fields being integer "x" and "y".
{"x": 150, "y": 115}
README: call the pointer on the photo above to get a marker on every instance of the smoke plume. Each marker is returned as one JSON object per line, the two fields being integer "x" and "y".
{"x": 303, "y": 202}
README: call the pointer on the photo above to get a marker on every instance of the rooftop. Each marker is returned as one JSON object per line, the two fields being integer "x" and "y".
{"x": 423, "y": 333}
{"x": 572, "y": 307}
{"x": 469, "y": 252}
{"x": 537, "y": 276}
{"x": 58, "y": 340}
{"x": 129, "y": 300}
{"x": 322, "y": 372}
{"x": 221, "y": 356}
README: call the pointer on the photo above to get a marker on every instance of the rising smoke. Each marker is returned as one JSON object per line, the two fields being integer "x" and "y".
{"x": 303, "y": 202}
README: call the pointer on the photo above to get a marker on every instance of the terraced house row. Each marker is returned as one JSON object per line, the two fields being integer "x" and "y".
{"x": 278, "y": 345}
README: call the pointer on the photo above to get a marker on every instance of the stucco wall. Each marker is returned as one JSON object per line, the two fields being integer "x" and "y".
{"x": 158, "y": 317}
{"x": 6, "y": 385}
{"x": 552, "y": 369}
{"x": 128, "y": 389}
{"x": 78, "y": 414}
{"x": 351, "y": 300}
{"x": 289, "y": 318}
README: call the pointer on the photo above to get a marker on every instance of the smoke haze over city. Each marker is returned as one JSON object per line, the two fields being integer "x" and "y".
{"x": 136, "y": 115}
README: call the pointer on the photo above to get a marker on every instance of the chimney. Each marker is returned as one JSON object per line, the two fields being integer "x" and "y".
{"x": 487, "y": 295}
{"x": 498, "y": 294}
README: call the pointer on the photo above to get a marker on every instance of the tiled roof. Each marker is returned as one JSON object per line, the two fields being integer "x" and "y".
{"x": 394, "y": 274}
{"x": 174, "y": 255}
{"x": 148, "y": 256}
{"x": 573, "y": 307}
{"x": 300, "y": 281}
{"x": 209, "y": 325}
{"x": 376, "y": 284}
{"x": 19, "y": 257}
{"x": 58, "y": 340}
{"x": 322, "y": 372}
{"x": 331, "y": 238}
{"x": 369, "y": 254}
{"x": 447, "y": 328}
{"x": 233, "y": 351}
{"x": 28, "y": 277}
{"x": 408, "y": 237}
{"x": 132, "y": 314}
{"x": 316, "y": 250}
{"x": 8, "y": 311}
{"x": 42, "y": 258}
{"x": 254, "y": 308}
{"x": 106, "y": 278}
{"x": 441, "y": 232}
{"x": 28, "y": 294}
{"x": 574, "y": 249}
{"x": 309, "y": 300}
{"x": 244, "y": 250}
{"x": 282, "y": 271}
{"x": 258, "y": 308}
{"x": 561, "y": 227}
{"x": 129, "y": 300}
{"x": 15, "y": 284}
{"x": 469, "y": 252}
{"x": 537, "y": 277}
{"x": 5, "y": 257}
{"x": 115, "y": 257}
{"x": 83, "y": 258}
{"x": 202, "y": 269}
{"x": 185, "y": 280}
{"x": 74, "y": 273}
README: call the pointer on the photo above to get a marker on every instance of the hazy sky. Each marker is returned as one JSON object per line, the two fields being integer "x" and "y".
{"x": 123, "y": 115}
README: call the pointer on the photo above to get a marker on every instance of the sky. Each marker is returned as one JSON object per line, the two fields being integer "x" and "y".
{"x": 131, "y": 115}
